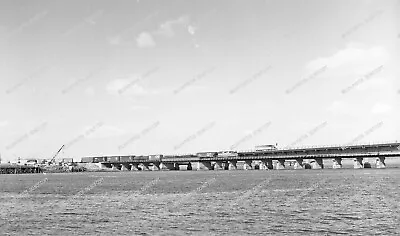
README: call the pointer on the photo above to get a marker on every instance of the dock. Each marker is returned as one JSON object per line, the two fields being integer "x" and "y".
{"x": 19, "y": 169}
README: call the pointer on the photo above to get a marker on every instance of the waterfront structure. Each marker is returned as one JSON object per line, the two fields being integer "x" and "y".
{"x": 19, "y": 169}
{"x": 265, "y": 159}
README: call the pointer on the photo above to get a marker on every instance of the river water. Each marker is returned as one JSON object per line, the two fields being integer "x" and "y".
{"x": 288, "y": 202}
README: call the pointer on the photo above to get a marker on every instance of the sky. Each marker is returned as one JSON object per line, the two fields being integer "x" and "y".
{"x": 183, "y": 76}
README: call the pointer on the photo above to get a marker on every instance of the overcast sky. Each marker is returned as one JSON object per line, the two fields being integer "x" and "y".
{"x": 147, "y": 77}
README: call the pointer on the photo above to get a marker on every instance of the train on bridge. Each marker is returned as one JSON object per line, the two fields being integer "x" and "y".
{"x": 264, "y": 157}
{"x": 157, "y": 158}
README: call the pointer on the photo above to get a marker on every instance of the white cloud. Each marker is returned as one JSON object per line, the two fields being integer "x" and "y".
{"x": 378, "y": 84}
{"x": 339, "y": 107}
{"x": 3, "y": 123}
{"x": 115, "y": 40}
{"x": 356, "y": 56}
{"x": 145, "y": 40}
{"x": 381, "y": 108}
{"x": 90, "y": 91}
{"x": 191, "y": 29}
{"x": 139, "y": 107}
{"x": 167, "y": 28}
{"x": 127, "y": 87}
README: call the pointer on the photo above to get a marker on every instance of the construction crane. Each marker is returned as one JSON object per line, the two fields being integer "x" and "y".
{"x": 53, "y": 160}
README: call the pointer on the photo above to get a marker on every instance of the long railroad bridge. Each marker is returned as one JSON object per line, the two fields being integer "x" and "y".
{"x": 302, "y": 157}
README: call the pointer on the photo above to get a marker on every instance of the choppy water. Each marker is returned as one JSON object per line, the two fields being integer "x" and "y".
{"x": 312, "y": 202}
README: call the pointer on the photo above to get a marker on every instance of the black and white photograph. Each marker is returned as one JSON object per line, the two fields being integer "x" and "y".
{"x": 199, "y": 117}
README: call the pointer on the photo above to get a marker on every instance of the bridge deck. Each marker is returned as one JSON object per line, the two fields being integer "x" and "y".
{"x": 324, "y": 152}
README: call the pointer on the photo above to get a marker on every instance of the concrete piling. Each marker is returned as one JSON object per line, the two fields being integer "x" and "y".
{"x": 317, "y": 164}
{"x": 280, "y": 165}
{"x": 299, "y": 164}
{"x": 247, "y": 165}
{"x": 358, "y": 163}
{"x": 380, "y": 163}
{"x": 232, "y": 165}
{"x": 337, "y": 163}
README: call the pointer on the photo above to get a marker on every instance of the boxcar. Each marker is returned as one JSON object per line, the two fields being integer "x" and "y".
{"x": 113, "y": 159}
{"x": 155, "y": 157}
{"x": 99, "y": 159}
{"x": 141, "y": 158}
{"x": 68, "y": 160}
{"x": 126, "y": 158}
{"x": 87, "y": 159}
{"x": 227, "y": 154}
{"x": 207, "y": 154}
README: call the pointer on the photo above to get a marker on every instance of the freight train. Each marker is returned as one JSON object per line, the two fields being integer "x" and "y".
{"x": 156, "y": 158}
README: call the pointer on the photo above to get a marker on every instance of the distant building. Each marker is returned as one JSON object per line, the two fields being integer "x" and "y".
{"x": 68, "y": 160}
{"x": 31, "y": 162}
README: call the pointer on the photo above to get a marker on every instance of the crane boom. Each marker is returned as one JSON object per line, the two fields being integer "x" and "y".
{"x": 54, "y": 157}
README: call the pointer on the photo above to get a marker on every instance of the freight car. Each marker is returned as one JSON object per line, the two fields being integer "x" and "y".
{"x": 177, "y": 157}
{"x": 227, "y": 154}
{"x": 87, "y": 160}
{"x": 141, "y": 158}
{"x": 113, "y": 159}
{"x": 99, "y": 159}
{"x": 207, "y": 154}
{"x": 268, "y": 147}
{"x": 68, "y": 160}
{"x": 155, "y": 157}
{"x": 126, "y": 158}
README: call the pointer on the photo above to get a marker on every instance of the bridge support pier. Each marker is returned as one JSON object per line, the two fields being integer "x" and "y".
{"x": 189, "y": 166}
{"x": 135, "y": 167}
{"x": 380, "y": 163}
{"x": 358, "y": 163}
{"x": 280, "y": 165}
{"x": 145, "y": 166}
{"x": 337, "y": 163}
{"x": 247, "y": 165}
{"x": 317, "y": 164}
{"x": 156, "y": 166}
{"x": 262, "y": 165}
{"x": 267, "y": 164}
{"x": 103, "y": 166}
{"x": 125, "y": 167}
{"x": 168, "y": 166}
{"x": 204, "y": 165}
{"x": 232, "y": 165}
{"x": 298, "y": 164}
{"x": 218, "y": 165}
{"x": 114, "y": 166}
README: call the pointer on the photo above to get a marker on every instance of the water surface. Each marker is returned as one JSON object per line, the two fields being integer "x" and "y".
{"x": 312, "y": 202}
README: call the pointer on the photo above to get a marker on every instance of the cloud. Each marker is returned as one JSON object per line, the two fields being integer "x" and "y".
{"x": 381, "y": 108}
{"x": 90, "y": 91}
{"x": 191, "y": 29}
{"x": 115, "y": 40}
{"x": 166, "y": 30}
{"x": 126, "y": 87}
{"x": 139, "y": 107}
{"x": 145, "y": 40}
{"x": 357, "y": 56}
{"x": 339, "y": 107}
{"x": 3, "y": 123}
{"x": 378, "y": 83}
